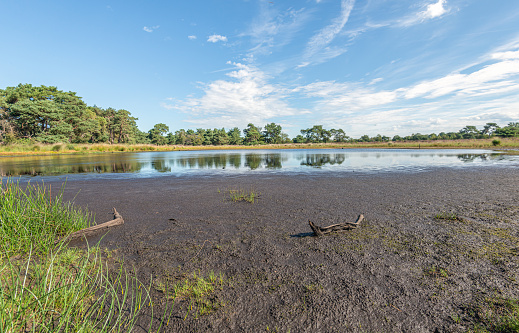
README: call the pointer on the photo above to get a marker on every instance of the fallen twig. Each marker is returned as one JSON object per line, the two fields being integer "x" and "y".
{"x": 320, "y": 231}
{"x": 118, "y": 220}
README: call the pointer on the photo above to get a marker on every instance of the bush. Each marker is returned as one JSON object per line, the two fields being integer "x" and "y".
{"x": 57, "y": 147}
{"x": 496, "y": 142}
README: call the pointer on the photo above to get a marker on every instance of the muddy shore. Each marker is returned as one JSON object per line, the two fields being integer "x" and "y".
{"x": 434, "y": 251}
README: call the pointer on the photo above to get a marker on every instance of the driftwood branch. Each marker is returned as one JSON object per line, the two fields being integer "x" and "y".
{"x": 320, "y": 231}
{"x": 118, "y": 220}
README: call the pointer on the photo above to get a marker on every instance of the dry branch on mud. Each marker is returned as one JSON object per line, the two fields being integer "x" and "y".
{"x": 118, "y": 220}
{"x": 320, "y": 231}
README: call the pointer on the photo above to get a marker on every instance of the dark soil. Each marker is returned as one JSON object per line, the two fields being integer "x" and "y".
{"x": 435, "y": 248}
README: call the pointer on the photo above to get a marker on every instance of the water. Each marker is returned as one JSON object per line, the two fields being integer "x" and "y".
{"x": 229, "y": 162}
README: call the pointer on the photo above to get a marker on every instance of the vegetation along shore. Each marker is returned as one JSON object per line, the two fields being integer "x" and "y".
{"x": 46, "y": 119}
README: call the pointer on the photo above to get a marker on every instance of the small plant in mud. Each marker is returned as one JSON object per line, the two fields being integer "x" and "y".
{"x": 436, "y": 272}
{"x": 446, "y": 216}
{"x": 197, "y": 291}
{"x": 242, "y": 195}
{"x": 312, "y": 287}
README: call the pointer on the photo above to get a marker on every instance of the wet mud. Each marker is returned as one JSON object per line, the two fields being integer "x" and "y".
{"x": 433, "y": 248}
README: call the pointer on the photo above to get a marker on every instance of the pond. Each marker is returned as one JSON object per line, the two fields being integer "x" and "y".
{"x": 230, "y": 162}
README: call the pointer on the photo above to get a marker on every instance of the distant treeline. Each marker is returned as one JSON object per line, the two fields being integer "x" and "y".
{"x": 48, "y": 115}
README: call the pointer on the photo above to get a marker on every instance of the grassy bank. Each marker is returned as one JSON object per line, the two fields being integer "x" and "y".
{"x": 46, "y": 286}
{"x": 61, "y": 148}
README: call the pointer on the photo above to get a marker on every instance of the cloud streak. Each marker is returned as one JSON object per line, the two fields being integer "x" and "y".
{"x": 326, "y": 35}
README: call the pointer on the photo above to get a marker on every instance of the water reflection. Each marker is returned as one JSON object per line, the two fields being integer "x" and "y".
{"x": 319, "y": 160}
{"x": 154, "y": 163}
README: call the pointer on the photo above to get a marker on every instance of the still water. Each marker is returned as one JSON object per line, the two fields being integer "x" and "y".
{"x": 229, "y": 162}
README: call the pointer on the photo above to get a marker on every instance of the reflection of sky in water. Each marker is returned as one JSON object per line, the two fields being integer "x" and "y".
{"x": 225, "y": 162}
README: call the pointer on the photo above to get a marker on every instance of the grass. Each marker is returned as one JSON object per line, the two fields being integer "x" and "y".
{"x": 197, "y": 291}
{"x": 32, "y": 219}
{"x": 46, "y": 286}
{"x": 436, "y": 272}
{"x": 499, "y": 315}
{"x": 42, "y": 149}
{"x": 243, "y": 195}
{"x": 446, "y": 216}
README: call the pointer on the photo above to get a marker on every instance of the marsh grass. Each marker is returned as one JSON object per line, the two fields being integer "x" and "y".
{"x": 436, "y": 272}
{"x": 197, "y": 291}
{"x": 446, "y": 216}
{"x": 68, "y": 290}
{"x": 46, "y": 286}
{"x": 31, "y": 218}
{"x": 31, "y": 147}
{"x": 496, "y": 315}
{"x": 240, "y": 194}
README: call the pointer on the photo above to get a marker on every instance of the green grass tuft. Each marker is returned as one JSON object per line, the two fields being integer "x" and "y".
{"x": 243, "y": 195}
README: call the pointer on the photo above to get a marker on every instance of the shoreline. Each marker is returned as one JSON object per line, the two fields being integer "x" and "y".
{"x": 507, "y": 144}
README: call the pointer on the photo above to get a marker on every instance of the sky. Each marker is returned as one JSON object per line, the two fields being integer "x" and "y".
{"x": 367, "y": 66}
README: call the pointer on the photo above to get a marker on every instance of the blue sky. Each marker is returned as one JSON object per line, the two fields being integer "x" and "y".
{"x": 369, "y": 67}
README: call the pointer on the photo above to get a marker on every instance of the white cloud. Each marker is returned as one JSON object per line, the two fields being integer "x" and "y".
{"x": 246, "y": 97}
{"x": 192, "y": 37}
{"x": 431, "y": 11}
{"x": 216, "y": 38}
{"x": 506, "y": 55}
{"x": 435, "y": 9}
{"x": 491, "y": 92}
{"x": 477, "y": 82}
{"x": 150, "y": 29}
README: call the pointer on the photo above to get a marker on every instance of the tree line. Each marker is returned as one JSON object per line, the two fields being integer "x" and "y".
{"x": 48, "y": 115}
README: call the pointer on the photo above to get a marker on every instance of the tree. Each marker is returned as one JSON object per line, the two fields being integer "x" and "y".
{"x": 235, "y": 136}
{"x": 272, "y": 133}
{"x": 220, "y": 137}
{"x": 469, "y": 132}
{"x": 181, "y": 137}
{"x": 316, "y": 134}
{"x": 489, "y": 129}
{"x": 252, "y": 135}
{"x": 157, "y": 134}
{"x": 338, "y": 135}
{"x": 299, "y": 139}
{"x": 511, "y": 130}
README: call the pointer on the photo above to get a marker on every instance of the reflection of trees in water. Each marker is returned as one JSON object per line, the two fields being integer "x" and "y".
{"x": 235, "y": 161}
{"x": 48, "y": 170}
{"x": 273, "y": 161}
{"x": 319, "y": 160}
{"x": 482, "y": 157}
{"x": 209, "y": 161}
{"x": 253, "y": 161}
{"x": 161, "y": 165}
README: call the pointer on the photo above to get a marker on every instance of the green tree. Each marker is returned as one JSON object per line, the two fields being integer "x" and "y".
{"x": 181, "y": 137}
{"x": 299, "y": 139}
{"x": 235, "y": 136}
{"x": 220, "y": 137}
{"x": 157, "y": 135}
{"x": 469, "y": 132}
{"x": 252, "y": 135}
{"x": 489, "y": 129}
{"x": 511, "y": 130}
{"x": 272, "y": 133}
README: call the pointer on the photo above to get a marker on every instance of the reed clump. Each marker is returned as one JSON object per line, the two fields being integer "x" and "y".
{"x": 46, "y": 286}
